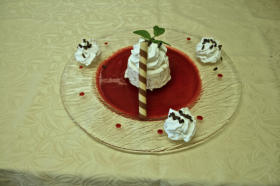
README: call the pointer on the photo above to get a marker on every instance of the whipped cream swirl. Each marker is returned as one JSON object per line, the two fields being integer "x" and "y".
{"x": 208, "y": 50}
{"x": 180, "y": 125}
{"x": 87, "y": 51}
{"x": 158, "y": 72}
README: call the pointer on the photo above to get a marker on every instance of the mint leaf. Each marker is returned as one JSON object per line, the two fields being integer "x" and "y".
{"x": 145, "y": 34}
{"x": 158, "y": 31}
{"x": 160, "y": 41}
{"x": 166, "y": 43}
{"x": 156, "y": 41}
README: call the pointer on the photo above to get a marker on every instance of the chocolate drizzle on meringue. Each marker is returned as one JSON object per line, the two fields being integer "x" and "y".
{"x": 213, "y": 42}
{"x": 85, "y": 45}
{"x": 185, "y": 115}
{"x": 205, "y": 41}
{"x": 208, "y": 50}
{"x": 174, "y": 117}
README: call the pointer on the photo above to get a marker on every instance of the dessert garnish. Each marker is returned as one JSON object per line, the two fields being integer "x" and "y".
{"x": 87, "y": 51}
{"x": 174, "y": 117}
{"x": 142, "y": 57}
{"x": 180, "y": 125}
{"x": 160, "y": 131}
{"x": 199, "y": 117}
{"x": 146, "y": 35}
{"x": 142, "y": 96}
{"x": 208, "y": 50}
{"x": 118, "y": 125}
{"x": 185, "y": 115}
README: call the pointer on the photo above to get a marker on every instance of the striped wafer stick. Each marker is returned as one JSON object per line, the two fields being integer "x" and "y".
{"x": 142, "y": 79}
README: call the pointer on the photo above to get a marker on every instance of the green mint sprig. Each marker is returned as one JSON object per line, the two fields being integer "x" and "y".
{"x": 147, "y": 36}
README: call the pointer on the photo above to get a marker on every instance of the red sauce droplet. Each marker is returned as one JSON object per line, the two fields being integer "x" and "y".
{"x": 199, "y": 117}
{"x": 82, "y": 93}
{"x": 188, "y": 38}
{"x": 118, "y": 125}
{"x": 81, "y": 67}
{"x": 220, "y": 75}
{"x": 106, "y": 43}
{"x": 160, "y": 131}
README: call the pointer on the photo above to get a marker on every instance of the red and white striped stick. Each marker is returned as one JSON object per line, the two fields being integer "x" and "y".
{"x": 143, "y": 79}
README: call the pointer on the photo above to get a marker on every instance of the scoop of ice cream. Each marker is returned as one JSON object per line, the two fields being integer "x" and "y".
{"x": 87, "y": 51}
{"x": 158, "y": 72}
{"x": 180, "y": 125}
{"x": 156, "y": 55}
{"x": 208, "y": 50}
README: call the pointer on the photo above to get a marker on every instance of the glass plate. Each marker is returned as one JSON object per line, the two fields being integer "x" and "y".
{"x": 218, "y": 101}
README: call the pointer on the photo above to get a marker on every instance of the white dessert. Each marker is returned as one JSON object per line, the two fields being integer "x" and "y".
{"x": 158, "y": 72}
{"x": 87, "y": 52}
{"x": 208, "y": 50}
{"x": 180, "y": 125}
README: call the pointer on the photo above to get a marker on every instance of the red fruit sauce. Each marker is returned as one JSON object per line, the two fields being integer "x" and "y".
{"x": 160, "y": 131}
{"x": 199, "y": 117}
{"x": 182, "y": 90}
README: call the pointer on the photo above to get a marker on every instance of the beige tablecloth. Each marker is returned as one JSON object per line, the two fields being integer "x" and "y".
{"x": 40, "y": 144}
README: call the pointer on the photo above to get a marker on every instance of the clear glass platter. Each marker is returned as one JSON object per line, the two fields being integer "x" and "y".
{"x": 217, "y": 103}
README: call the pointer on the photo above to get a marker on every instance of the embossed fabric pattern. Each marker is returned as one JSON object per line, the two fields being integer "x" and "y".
{"x": 41, "y": 145}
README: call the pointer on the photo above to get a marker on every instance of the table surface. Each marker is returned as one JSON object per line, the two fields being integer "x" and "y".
{"x": 40, "y": 144}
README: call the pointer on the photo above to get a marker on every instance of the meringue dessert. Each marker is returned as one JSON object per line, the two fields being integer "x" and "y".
{"x": 180, "y": 125}
{"x": 158, "y": 72}
{"x": 208, "y": 50}
{"x": 87, "y": 51}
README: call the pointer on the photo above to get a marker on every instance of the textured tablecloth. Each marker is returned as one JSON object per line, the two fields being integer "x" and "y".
{"x": 40, "y": 144}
